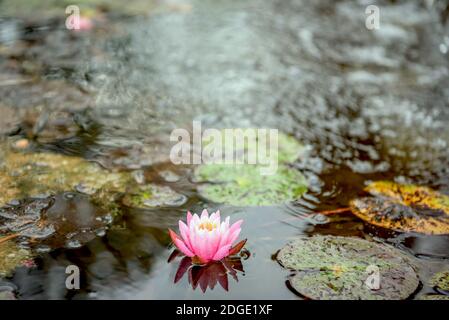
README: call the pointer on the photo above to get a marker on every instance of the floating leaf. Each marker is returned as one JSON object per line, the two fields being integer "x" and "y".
{"x": 150, "y": 196}
{"x": 289, "y": 149}
{"x": 441, "y": 280}
{"x": 245, "y": 185}
{"x": 406, "y": 208}
{"x": 331, "y": 268}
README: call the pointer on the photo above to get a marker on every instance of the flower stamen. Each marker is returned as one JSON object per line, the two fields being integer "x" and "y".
{"x": 209, "y": 226}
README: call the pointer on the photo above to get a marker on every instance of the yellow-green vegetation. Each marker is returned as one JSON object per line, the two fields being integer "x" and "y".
{"x": 406, "y": 208}
{"x": 24, "y": 175}
{"x": 11, "y": 256}
{"x": 441, "y": 280}
{"x": 245, "y": 185}
{"x": 334, "y": 268}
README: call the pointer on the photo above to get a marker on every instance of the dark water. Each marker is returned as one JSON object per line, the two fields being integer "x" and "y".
{"x": 368, "y": 105}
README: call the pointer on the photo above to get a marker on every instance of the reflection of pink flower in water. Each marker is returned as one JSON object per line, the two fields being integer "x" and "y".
{"x": 29, "y": 263}
{"x": 206, "y": 238}
{"x": 209, "y": 275}
{"x": 80, "y": 23}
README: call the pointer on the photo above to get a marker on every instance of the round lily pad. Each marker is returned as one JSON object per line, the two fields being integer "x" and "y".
{"x": 441, "y": 280}
{"x": 152, "y": 195}
{"x": 243, "y": 185}
{"x": 405, "y": 208}
{"x": 334, "y": 268}
{"x": 247, "y": 185}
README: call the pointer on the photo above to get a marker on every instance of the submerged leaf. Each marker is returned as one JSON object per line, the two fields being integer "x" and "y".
{"x": 24, "y": 175}
{"x": 406, "y": 208}
{"x": 334, "y": 268}
{"x": 67, "y": 219}
{"x": 152, "y": 195}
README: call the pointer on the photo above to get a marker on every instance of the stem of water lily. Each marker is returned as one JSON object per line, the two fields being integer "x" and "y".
{"x": 335, "y": 211}
{"x": 11, "y": 236}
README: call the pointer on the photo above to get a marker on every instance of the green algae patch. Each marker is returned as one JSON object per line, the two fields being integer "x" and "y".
{"x": 24, "y": 175}
{"x": 441, "y": 280}
{"x": 12, "y": 257}
{"x": 404, "y": 208}
{"x": 150, "y": 196}
{"x": 335, "y": 268}
{"x": 246, "y": 185}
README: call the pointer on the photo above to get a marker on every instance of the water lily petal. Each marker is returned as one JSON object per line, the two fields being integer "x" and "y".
{"x": 222, "y": 252}
{"x": 189, "y": 218}
{"x": 233, "y": 236}
{"x": 235, "y": 226}
{"x": 184, "y": 230}
{"x": 183, "y": 248}
{"x": 180, "y": 244}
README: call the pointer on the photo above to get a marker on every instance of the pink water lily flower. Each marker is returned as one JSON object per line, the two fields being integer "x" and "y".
{"x": 206, "y": 238}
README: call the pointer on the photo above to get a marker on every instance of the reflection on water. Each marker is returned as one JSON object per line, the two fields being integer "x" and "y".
{"x": 368, "y": 106}
{"x": 209, "y": 275}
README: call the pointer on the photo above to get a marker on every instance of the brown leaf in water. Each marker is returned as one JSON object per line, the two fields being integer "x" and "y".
{"x": 405, "y": 208}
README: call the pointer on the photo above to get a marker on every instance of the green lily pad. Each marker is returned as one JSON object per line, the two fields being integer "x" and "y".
{"x": 441, "y": 280}
{"x": 150, "y": 196}
{"x": 405, "y": 208}
{"x": 11, "y": 257}
{"x": 334, "y": 268}
{"x": 289, "y": 149}
{"x": 245, "y": 185}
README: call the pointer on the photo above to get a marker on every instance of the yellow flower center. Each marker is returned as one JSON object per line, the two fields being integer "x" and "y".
{"x": 209, "y": 226}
